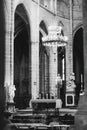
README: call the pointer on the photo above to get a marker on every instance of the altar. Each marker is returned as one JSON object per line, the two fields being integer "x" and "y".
{"x": 45, "y": 103}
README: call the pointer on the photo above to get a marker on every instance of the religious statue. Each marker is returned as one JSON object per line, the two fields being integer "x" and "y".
{"x": 11, "y": 93}
{"x": 71, "y": 84}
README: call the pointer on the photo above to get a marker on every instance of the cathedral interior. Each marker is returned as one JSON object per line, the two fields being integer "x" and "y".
{"x": 43, "y": 67}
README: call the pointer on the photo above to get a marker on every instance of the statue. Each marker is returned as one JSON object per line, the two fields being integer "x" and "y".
{"x": 71, "y": 84}
{"x": 11, "y": 93}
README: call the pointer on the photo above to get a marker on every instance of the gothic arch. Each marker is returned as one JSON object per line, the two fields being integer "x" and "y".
{"x": 22, "y": 57}
{"x": 80, "y": 25}
{"x": 78, "y": 61}
{"x": 22, "y": 12}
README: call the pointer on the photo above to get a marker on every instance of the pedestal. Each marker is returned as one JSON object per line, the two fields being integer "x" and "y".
{"x": 11, "y": 107}
{"x": 10, "y": 93}
{"x": 70, "y": 99}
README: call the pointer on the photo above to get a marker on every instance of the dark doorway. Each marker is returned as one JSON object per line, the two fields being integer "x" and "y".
{"x": 22, "y": 63}
{"x": 78, "y": 65}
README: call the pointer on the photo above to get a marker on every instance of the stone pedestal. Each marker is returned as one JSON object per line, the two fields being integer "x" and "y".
{"x": 11, "y": 107}
{"x": 10, "y": 93}
{"x": 70, "y": 99}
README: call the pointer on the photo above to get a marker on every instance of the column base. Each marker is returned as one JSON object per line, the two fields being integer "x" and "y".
{"x": 11, "y": 107}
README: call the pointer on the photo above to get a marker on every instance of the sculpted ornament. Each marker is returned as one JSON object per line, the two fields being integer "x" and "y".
{"x": 71, "y": 84}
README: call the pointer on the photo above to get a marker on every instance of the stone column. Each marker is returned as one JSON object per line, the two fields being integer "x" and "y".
{"x": 55, "y": 7}
{"x": 35, "y": 52}
{"x": 51, "y": 5}
{"x": 71, "y": 37}
{"x": 9, "y": 51}
{"x": 69, "y": 47}
{"x": 35, "y": 70}
{"x": 81, "y": 115}
{"x": 53, "y": 71}
{"x": 7, "y": 41}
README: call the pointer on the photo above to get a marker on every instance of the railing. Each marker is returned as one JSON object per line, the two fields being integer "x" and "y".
{"x": 39, "y": 126}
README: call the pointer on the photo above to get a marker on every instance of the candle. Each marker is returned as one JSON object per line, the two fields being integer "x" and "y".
{"x": 63, "y": 68}
{"x": 81, "y": 82}
{"x": 81, "y": 78}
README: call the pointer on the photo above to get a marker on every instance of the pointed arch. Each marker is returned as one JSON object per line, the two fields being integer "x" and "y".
{"x": 78, "y": 61}
{"x": 43, "y": 26}
{"x": 22, "y": 57}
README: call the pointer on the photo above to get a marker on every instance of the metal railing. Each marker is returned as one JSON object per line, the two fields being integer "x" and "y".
{"x": 39, "y": 126}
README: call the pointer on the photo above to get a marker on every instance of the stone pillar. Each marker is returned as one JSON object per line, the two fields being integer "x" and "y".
{"x": 9, "y": 51}
{"x": 51, "y": 5}
{"x": 35, "y": 70}
{"x": 81, "y": 115}
{"x": 69, "y": 47}
{"x": 55, "y": 7}
{"x": 35, "y": 52}
{"x": 53, "y": 71}
{"x": 7, "y": 41}
{"x": 71, "y": 37}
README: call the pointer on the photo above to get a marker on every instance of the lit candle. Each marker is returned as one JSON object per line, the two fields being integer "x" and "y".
{"x": 81, "y": 83}
{"x": 63, "y": 68}
{"x": 81, "y": 79}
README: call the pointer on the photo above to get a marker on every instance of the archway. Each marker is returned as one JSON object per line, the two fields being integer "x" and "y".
{"x": 22, "y": 59}
{"x": 43, "y": 63}
{"x": 78, "y": 65}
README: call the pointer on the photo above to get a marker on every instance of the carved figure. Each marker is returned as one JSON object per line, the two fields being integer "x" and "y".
{"x": 71, "y": 84}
